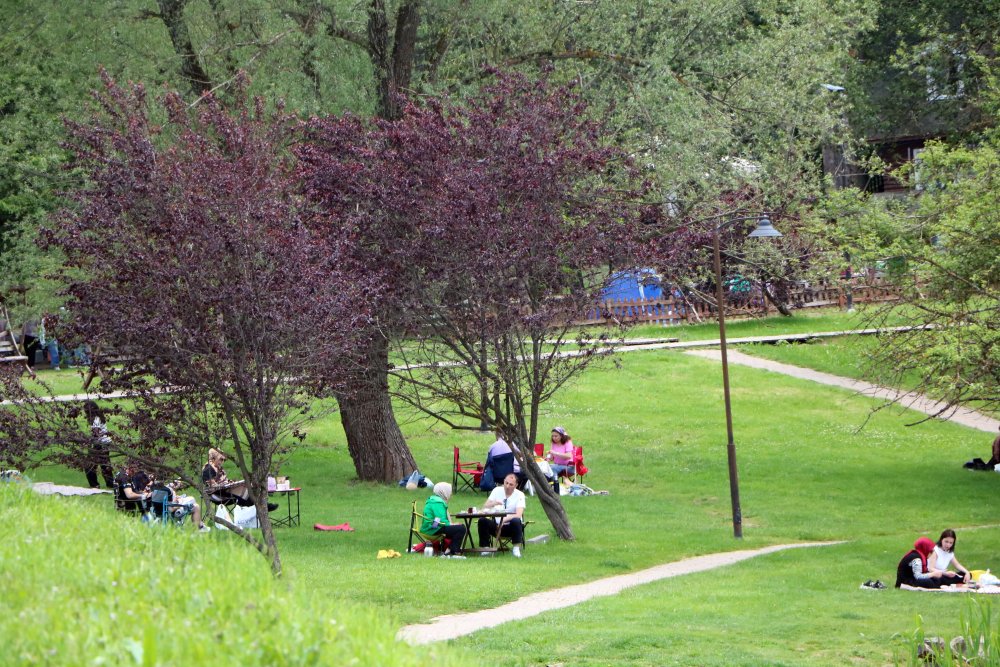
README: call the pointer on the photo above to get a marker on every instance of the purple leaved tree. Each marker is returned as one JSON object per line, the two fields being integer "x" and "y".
{"x": 190, "y": 255}
{"x": 498, "y": 222}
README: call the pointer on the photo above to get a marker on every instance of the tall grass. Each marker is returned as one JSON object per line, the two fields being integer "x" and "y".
{"x": 83, "y": 586}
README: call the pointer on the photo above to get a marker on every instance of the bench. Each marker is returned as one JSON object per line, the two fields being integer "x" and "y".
{"x": 10, "y": 353}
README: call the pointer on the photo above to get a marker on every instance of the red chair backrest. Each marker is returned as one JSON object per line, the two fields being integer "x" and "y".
{"x": 456, "y": 458}
{"x": 578, "y": 460}
{"x": 539, "y": 449}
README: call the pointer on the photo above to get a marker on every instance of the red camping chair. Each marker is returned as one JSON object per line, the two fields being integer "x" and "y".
{"x": 540, "y": 449}
{"x": 578, "y": 466}
{"x": 465, "y": 475}
{"x": 579, "y": 469}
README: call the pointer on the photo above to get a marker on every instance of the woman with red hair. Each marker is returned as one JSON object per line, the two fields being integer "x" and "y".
{"x": 912, "y": 569}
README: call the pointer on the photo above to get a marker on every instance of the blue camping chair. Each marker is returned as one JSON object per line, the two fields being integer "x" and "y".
{"x": 164, "y": 510}
{"x": 498, "y": 468}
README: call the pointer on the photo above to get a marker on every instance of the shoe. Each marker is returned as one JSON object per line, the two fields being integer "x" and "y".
{"x": 516, "y": 551}
{"x": 272, "y": 506}
{"x": 204, "y": 529}
{"x": 878, "y": 584}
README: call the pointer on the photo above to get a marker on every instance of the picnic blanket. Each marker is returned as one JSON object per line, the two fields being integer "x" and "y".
{"x": 982, "y": 590}
{"x": 51, "y": 488}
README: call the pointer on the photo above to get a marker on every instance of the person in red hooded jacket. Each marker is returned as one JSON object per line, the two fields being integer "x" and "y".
{"x": 912, "y": 569}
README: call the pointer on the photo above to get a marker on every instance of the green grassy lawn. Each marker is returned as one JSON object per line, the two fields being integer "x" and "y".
{"x": 654, "y": 435}
{"x": 847, "y": 356}
{"x": 802, "y": 321}
{"x": 63, "y": 381}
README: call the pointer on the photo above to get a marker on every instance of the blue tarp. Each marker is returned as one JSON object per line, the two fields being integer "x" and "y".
{"x": 633, "y": 284}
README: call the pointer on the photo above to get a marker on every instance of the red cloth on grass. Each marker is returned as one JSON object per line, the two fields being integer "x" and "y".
{"x": 343, "y": 526}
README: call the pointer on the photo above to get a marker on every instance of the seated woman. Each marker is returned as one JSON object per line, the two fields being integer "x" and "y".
{"x": 219, "y": 486}
{"x": 943, "y": 556}
{"x": 131, "y": 489}
{"x": 560, "y": 455}
{"x": 436, "y": 521}
{"x": 912, "y": 569}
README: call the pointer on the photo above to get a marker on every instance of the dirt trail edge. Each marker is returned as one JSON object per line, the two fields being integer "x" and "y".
{"x": 453, "y": 626}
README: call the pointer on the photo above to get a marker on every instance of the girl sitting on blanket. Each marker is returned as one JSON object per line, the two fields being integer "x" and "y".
{"x": 943, "y": 556}
{"x": 913, "y": 570}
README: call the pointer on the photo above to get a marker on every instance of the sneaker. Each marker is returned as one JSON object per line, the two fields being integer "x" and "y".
{"x": 516, "y": 551}
{"x": 204, "y": 529}
{"x": 272, "y": 506}
{"x": 878, "y": 584}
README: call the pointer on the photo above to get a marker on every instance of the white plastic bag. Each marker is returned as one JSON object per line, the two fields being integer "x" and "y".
{"x": 223, "y": 513}
{"x": 245, "y": 517}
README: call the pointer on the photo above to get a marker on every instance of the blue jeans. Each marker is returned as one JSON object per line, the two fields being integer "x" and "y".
{"x": 52, "y": 347}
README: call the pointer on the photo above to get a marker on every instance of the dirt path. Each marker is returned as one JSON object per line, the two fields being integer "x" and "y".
{"x": 458, "y": 625}
{"x": 910, "y": 400}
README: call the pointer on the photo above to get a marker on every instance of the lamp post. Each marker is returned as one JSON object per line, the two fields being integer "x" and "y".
{"x": 764, "y": 230}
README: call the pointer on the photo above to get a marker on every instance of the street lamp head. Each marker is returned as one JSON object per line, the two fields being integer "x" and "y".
{"x": 765, "y": 230}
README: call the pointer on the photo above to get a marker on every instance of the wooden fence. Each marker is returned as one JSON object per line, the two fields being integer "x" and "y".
{"x": 670, "y": 311}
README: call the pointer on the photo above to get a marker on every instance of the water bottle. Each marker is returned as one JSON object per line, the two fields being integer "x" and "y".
{"x": 428, "y": 550}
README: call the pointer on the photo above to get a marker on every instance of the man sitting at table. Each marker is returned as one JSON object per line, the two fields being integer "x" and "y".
{"x": 508, "y": 499}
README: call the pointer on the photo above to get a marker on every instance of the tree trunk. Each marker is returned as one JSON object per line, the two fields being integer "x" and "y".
{"x": 392, "y": 62}
{"x": 257, "y": 484}
{"x": 549, "y": 499}
{"x": 376, "y": 444}
{"x": 782, "y": 307}
{"x": 172, "y": 13}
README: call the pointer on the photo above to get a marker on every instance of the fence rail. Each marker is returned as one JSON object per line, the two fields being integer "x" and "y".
{"x": 671, "y": 311}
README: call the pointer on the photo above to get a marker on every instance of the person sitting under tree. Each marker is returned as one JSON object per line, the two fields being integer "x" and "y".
{"x": 219, "y": 486}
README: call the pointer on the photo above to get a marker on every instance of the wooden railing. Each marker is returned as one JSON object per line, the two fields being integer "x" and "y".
{"x": 670, "y": 311}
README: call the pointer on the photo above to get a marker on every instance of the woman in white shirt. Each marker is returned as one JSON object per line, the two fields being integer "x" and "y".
{"x": 944, "y": 556}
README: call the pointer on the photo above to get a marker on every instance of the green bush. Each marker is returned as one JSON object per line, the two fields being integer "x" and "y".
{"x": 86, "y": 586}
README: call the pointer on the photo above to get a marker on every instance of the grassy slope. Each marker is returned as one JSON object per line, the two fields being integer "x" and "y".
{"x": 654, "y": 436}
{"x": 86, "y": 586}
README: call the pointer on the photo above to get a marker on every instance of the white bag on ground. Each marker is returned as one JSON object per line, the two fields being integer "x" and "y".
{"x": 245, "y": 517}
{"x": 223, "y": 513}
